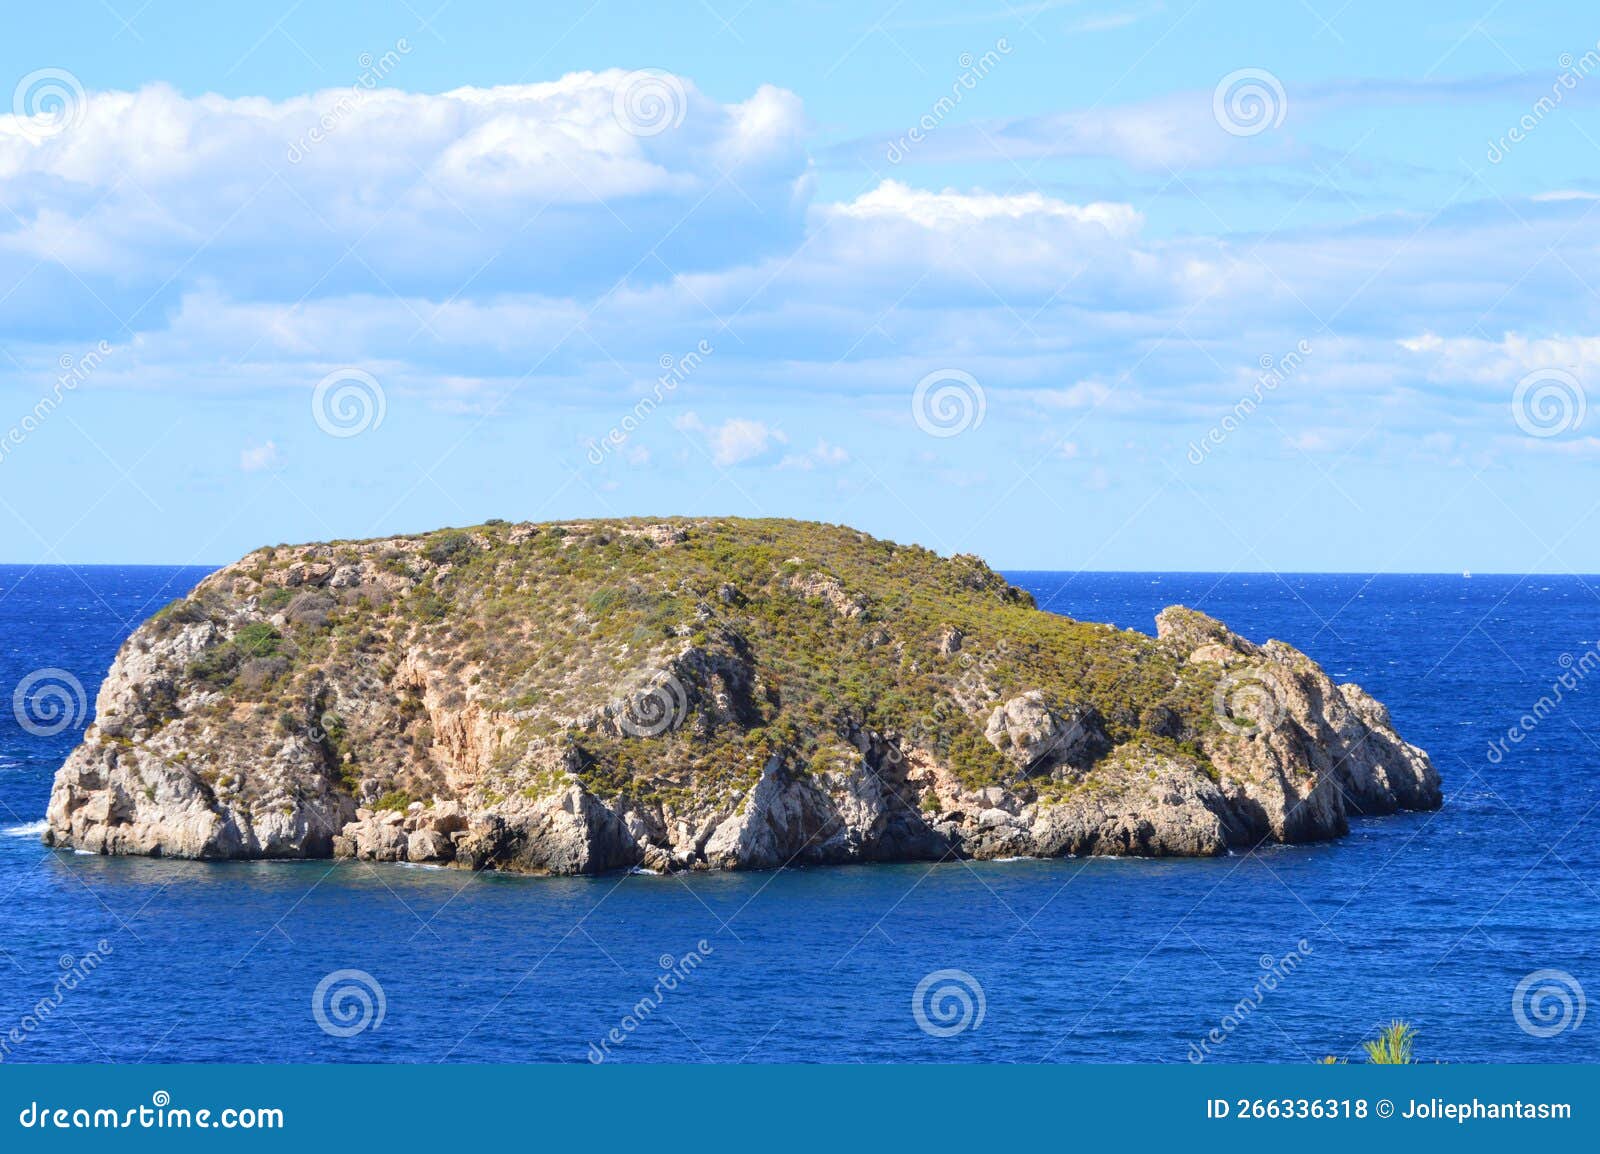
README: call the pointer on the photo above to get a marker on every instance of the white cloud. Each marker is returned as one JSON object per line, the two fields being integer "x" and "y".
{"x": 736, "y": 441}
{"x": 505, "y": 246}
{"x": 1499, "y": 364}
{"x": 1086, "y": 395}
{"x": 259, "y": 457}
{"x": 469, "y": 193}
{"x": 823, "y": 456}
{"x": 1177, "y": 132}
{"x": 948, "y": 210}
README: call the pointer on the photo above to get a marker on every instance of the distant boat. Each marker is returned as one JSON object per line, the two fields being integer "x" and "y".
{"x": 1466, "y": 573}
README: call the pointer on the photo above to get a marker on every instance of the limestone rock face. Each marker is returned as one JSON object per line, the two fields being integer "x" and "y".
{"x": 685, "y": 695}
{"x": 1299, "y": 753}
{"x": 1035, "y": 737}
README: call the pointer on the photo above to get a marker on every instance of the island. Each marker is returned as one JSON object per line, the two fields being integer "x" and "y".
{"x": 699, "y": 693}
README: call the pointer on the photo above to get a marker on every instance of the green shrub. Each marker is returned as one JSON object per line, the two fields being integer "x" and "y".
{"x": 1392, "y": 1046}
{"x": 257, "y": 639}
{"x": 218, "y": 666}
{"x": 397, "y": 799}
{"x": 447, "y": 547}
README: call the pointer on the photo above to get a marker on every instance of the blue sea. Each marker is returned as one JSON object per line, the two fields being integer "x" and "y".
{"x": 1433, "y": 918}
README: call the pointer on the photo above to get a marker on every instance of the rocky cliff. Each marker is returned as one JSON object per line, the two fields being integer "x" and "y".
{"x": 686, "y": 694}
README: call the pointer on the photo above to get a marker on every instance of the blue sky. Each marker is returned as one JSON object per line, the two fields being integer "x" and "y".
{"x": 1070, "y": 285}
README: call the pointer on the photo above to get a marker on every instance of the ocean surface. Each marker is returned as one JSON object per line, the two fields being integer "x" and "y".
{"x": 1434, "y": 918}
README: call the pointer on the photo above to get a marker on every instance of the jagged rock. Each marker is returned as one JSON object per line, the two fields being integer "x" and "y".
{"x": 831, "y": 591}
{"x": 427, "y": 845}
{"x": 1036, "y": 738}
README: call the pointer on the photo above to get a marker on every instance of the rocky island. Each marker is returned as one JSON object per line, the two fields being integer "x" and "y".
{"x": 681, "y": 694}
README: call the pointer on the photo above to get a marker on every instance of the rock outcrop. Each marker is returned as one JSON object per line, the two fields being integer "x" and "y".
{"x": 699, "y": 695}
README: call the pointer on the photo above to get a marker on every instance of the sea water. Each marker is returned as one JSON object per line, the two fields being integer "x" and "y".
{"x": 1284, "y": 954}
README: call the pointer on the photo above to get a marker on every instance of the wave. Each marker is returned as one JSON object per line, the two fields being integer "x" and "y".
{"x": 32, "y": 829}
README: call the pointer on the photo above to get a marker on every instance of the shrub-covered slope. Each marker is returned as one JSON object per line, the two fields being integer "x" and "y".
{"x": 683, "y": 693}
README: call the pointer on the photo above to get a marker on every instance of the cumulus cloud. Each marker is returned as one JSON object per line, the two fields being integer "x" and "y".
{"x": 893, "y": 202}
{"x": 259, "y": 457}
{"x": 736, "y": 441}
{"x": 508, "y": 245}
{"x": 1479, "y": 361}
{"x": 823, "y": 455}
{"x": 464, "y": 194}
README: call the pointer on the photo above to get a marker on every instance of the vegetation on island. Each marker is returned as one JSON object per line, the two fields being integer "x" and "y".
{"x": 838, "y": 633}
